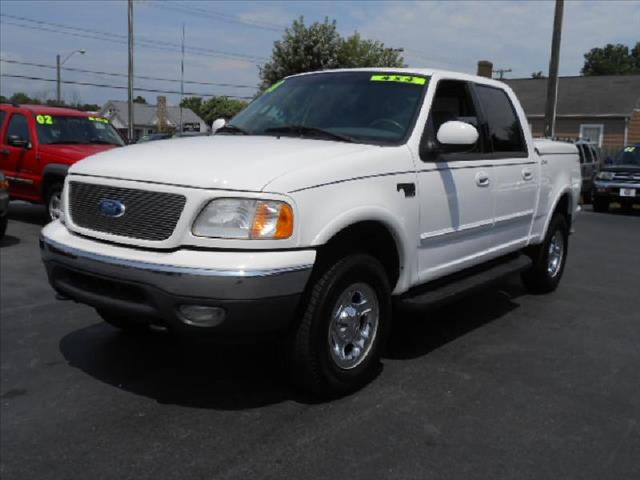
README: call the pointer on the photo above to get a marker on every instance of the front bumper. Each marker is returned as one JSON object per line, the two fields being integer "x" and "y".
{"x": 611, "y": 190}
{"x": 152, "y": 285}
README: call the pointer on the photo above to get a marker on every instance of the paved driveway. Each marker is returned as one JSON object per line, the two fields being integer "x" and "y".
{"x": 501, "y": 385}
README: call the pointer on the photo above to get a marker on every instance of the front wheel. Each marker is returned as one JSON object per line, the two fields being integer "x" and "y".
{"x": 338, "y": 342}
{"x": 549, "y": 258}
{"x": 53, "y": 201}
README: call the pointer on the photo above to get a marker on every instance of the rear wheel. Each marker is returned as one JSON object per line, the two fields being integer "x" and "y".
{"x": 337, "y": 345}
{"x": 53, "y": 200}
{"x": 124, "y": 323}
{"x": 549, "y": 258}
{"x": 600, "y": 204}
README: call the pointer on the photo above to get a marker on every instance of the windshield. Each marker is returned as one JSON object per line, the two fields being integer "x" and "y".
{"x": 628, "y": 156}
{"x": 54, "y": 129}
{"x": 357, "y": 106}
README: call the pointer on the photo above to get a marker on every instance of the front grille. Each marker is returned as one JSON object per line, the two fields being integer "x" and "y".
{"x": 147, "y": 215}
{"x": 627, "y": 177}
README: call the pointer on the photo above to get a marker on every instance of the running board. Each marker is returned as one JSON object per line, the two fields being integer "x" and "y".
{"x": 450, "y": 287}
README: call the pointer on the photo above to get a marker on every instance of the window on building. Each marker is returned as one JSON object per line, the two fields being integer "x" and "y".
{"x": 592, "y": 134}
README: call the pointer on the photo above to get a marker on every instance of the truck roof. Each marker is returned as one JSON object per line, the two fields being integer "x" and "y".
{"x": 49, "y": 110}
{"x": 417, "y": 71}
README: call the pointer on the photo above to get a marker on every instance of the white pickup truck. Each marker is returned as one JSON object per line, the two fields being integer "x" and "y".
{"x": 330, "y": 198}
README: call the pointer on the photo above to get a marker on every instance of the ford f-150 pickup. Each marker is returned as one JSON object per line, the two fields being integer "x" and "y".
{"x": 332, "y": 200}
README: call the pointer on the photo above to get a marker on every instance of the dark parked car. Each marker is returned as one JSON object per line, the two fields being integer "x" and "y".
{"x": 152, "y": 137}
{"x": 589, "y": 165}
{"x": 618, "y": 180}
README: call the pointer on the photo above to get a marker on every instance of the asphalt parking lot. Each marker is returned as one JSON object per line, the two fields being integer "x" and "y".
{"x": 502, "y": 385}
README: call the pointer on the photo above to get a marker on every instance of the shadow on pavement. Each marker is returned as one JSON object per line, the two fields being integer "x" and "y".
{"x": 8, "y": 241}
{"x": 230, "y": 376}
{"x": 27, "y": 212}
{"x": 415, "y": 334}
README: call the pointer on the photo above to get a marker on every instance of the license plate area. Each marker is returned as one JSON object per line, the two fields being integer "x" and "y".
{"x": 627, "y": 192}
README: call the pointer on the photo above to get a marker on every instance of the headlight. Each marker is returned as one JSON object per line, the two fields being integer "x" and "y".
{"x": 605, "y": 175}
{"x": 245, "y": 219}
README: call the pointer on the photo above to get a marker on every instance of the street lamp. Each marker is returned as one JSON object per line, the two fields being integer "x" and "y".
{"x": 59, "y": 64}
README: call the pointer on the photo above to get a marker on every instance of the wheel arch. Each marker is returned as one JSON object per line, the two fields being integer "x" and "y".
{"x": 52, "y": 173}
{"x": 372, "y": 231}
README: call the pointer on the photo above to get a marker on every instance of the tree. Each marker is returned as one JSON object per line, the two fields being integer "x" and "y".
{"x": 220, "y": 107}
{"x": 320, "y": 47}
{"x": 612, "y": 60}
{"x": 22, "y": 98}
{"x": 140, "y": 99}
{"x": 192, "y": 103}
{"x": 538, "y": 74}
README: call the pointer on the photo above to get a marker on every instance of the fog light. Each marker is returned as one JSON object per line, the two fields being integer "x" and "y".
{"x": 201, "y": 315}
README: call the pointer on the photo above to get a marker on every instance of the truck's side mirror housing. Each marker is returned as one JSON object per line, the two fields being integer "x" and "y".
{"x": 217, "y": 125}
{"x": 457, "y": 133}
{"x": 17, "y": 141}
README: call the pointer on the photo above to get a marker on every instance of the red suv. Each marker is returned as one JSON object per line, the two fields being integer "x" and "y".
{"x": 38, "y": 144}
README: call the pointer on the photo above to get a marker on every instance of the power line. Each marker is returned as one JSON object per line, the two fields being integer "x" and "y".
{"x": 219, "y": 16}
{"x": 114, "y": 74}
{"x": 121, "y": 87}
{"x": 117, "y": 38}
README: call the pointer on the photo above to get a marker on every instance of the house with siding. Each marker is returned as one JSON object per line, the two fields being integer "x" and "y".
{"x": 149, "y": 119}
{"x": 603, "y": 110}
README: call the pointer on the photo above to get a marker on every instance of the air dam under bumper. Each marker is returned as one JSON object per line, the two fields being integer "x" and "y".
{"x": 258, "y": 291}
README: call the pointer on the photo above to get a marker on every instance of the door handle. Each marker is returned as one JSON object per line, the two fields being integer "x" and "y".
{"x": 482, "y": 179}
{"x": 5, "y": 151}
{"x": 527, "y": 175}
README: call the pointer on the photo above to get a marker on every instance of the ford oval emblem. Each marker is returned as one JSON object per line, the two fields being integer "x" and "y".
{"x": 111, "y": 208}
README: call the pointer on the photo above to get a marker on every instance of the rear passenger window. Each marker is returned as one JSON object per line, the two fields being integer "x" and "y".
{"x": 505, "y": 131}
{"x": 18, "y": 126}
{"x": 2, "y": 115}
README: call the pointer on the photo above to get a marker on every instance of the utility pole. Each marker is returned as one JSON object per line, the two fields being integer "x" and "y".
{"x": 181, "y": 79}
{"x": 130, "y": 130}
{"x": 552, "y": 82}
{"x": 58, "y": 88}
{"x": 501, "y": 72}
{"x": 59, "y": 64}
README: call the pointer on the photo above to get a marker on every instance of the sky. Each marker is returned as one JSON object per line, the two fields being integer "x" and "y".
{"x": 226, "y": 41}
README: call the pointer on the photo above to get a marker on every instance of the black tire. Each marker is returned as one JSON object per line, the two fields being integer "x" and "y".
{"x": 312, "y": 364}
{"x": 53, "y": 191}
{"x": 539, "y": 278}
{"x": 123, "y": 322}
{"x": 3, "y": 225}
{"x": 600, "y": 204}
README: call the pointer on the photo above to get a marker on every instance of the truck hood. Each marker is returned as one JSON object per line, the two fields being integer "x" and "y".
{"x": 230, "y": 162}
{"x": 72, "y": 153}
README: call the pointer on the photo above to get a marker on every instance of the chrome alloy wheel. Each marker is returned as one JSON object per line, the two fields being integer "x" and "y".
{"x": 354, "y": 324}
{"x": 556, "y": 254}
{"x": 55, "y": 205}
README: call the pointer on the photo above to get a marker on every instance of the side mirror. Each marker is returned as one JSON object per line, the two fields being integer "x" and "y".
{"x": 217, "y": 125}
{"x": 457, "y": 133}
{"x": 16, "y": 141}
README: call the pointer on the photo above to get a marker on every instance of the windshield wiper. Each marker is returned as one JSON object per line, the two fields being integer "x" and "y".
{"x": 229, "y": 128}
{"x": 101, "y": 142}
{"x": 304, "y": 130}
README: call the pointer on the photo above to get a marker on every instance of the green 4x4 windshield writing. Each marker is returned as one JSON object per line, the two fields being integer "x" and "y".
{"x": 366, "y": 107}
{"x": 54, "y": 129}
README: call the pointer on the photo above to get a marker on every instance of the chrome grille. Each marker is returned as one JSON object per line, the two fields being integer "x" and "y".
{"x": 627, "y": 177}
{"x": 148, "y": 215}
